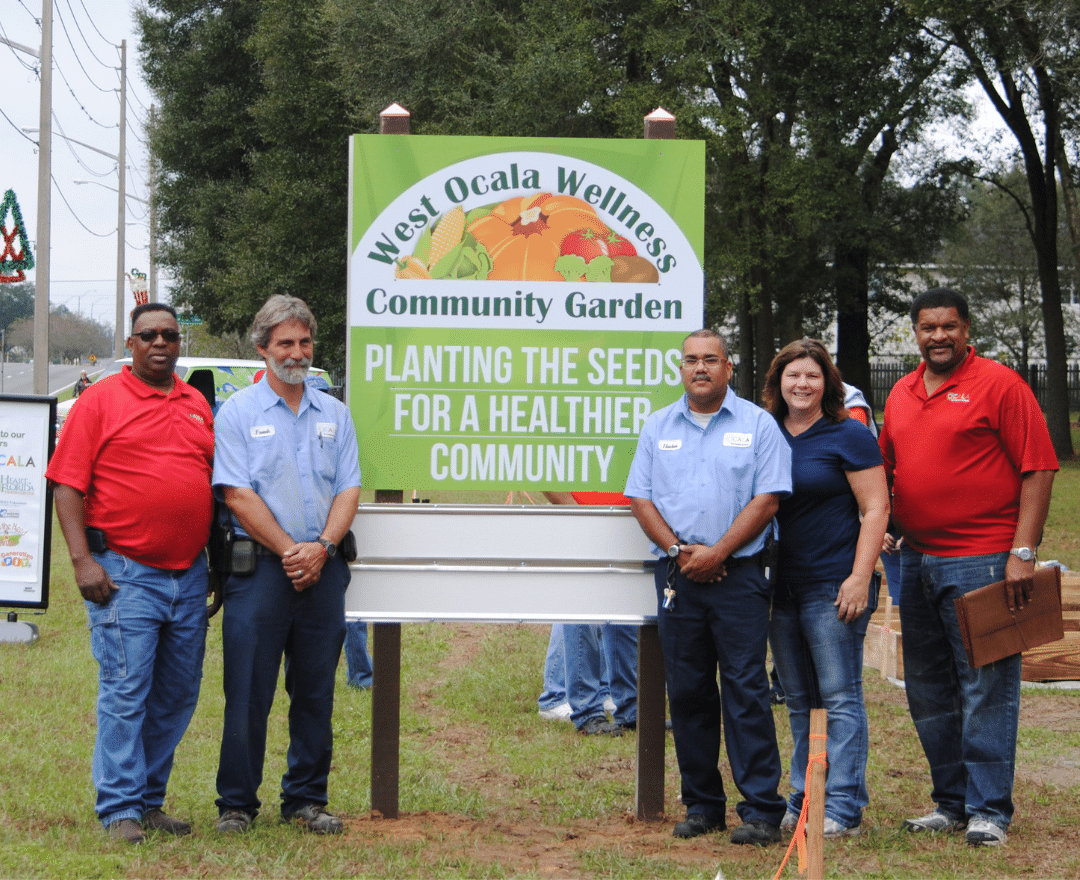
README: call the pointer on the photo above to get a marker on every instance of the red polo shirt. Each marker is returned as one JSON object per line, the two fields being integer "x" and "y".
{"x": 600, "y": 498}
{"x": 955, "y": 459}
{"x": 143, "y": 459}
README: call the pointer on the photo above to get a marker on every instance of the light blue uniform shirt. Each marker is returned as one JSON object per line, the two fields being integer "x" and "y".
{"x": 297, "y": 464}
{"x": 700, "y": 479}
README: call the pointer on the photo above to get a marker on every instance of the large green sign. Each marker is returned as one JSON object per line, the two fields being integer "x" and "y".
{"x": 516, "y": 306}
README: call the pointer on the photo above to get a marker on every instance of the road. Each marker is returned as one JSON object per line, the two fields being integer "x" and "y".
{"x": 19, "y": 378}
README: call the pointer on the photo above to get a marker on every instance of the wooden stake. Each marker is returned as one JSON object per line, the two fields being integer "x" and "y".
{"x": 815, "y": 792}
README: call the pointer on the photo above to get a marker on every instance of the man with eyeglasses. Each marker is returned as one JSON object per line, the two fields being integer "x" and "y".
{"x": 705, "y": 482}
{"x": 132, "y": 488}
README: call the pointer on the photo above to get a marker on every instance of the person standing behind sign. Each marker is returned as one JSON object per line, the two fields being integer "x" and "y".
{"x": 287, "y": 467}
{"x": 132, "y": 476}
{"x": 831, "y": 529}
{"x": 704, "y": 484}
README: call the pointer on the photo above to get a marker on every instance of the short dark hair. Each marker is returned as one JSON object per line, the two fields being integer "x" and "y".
{"x": 832, "y": 401}
{"x": 940, "y": 298}
{"x": 706, "y": 333}
{"x": 151, "y": 307}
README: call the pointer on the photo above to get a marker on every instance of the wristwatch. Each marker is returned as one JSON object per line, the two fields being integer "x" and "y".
{"x": 329, "y": 546}
{"x": 1024, "y": 554}
{"x": 674, "y": 549}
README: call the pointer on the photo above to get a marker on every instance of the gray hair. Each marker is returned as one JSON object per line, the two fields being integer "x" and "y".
{"x": 277, "y": 310}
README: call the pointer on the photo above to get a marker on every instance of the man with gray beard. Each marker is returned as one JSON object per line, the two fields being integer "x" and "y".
{"x": 286, "y": 465}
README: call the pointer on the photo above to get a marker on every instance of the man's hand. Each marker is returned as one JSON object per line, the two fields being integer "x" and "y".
{"x": 303, "y": 564}
{"x": 1019, "y": 576}
{"x": 701, "y": 563}
{"x": 93, "y": 581}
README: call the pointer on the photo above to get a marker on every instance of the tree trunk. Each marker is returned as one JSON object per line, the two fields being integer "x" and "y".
{"x": 852, "y": 316}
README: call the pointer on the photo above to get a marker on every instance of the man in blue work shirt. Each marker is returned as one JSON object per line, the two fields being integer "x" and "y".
{"x": 286, "y": 465}
{"x": 704, "y": 484}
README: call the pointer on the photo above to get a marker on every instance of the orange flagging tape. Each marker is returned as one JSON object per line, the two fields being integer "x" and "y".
{"x": 798, "y": 837}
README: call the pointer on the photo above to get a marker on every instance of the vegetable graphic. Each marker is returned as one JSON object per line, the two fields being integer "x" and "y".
{"x": 523, "y": 235}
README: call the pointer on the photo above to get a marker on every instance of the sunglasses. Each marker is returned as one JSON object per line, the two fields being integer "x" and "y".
{"x": 151, "y": 335}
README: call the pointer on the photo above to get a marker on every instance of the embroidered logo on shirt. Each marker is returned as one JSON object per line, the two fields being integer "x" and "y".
{"x": 670, "y": 445}
{"x": 327, "y": 430}
{"x": 262, "y": 431}
{"x": 957, "y": 397}
{"x": 198, "y": 418}
{"x": 739, "y": 440}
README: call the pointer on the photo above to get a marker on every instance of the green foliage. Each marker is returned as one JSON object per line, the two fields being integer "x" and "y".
{"x": 16, "y": 303}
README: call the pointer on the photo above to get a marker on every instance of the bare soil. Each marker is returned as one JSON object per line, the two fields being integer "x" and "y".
{"x": 521, "y": 843}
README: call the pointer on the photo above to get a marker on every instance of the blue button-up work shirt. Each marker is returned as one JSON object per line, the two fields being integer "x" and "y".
{"x": 297, "y": 464}
{"x": 700, "y": 479}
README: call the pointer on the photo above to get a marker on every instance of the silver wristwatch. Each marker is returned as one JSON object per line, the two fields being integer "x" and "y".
{"x": 1024, "y": 554}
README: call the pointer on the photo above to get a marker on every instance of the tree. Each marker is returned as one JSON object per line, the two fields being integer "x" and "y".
{"x": 1019, "y": 52}
{"x": 16, "y": 303}
{"x": 71, "y": 336}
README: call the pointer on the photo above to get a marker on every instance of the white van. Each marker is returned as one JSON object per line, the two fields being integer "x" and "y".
{"x": 216, "y": 378}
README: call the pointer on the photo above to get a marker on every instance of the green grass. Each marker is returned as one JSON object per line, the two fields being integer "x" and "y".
{"x": 487, "y": 788}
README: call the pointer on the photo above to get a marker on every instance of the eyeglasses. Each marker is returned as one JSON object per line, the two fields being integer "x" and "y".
{"x": 711, "y": 361}
{"x": 151, "y": 335}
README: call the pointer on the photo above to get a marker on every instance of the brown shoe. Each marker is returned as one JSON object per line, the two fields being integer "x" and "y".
{"x": 128, "y": 830}
{"x": 157, "y": 821}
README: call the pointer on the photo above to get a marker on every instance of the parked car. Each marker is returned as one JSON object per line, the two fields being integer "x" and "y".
{"x": 214, "y": 377}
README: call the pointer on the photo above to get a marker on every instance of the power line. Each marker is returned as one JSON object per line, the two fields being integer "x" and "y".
{"x": 82, "y": 67}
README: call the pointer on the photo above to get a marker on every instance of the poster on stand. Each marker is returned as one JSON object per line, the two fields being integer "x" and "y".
{"x": 26, "y": 442}
{"x": 517, "y": 306}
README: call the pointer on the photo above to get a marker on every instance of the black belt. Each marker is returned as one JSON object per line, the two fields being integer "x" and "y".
{"x": 260, "y": 550}
{"x": 738, "y": 561}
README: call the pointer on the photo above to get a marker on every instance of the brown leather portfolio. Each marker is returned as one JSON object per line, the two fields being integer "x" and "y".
{"x": 991, "y": 631}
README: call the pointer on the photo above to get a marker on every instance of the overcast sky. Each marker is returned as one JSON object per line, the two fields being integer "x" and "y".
{"x": 86, "y": 107}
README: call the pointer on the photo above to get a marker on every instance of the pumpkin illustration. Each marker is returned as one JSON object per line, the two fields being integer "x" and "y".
{"x": 524, "y": 235}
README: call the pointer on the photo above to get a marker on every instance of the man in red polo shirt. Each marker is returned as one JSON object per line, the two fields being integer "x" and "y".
{"x": 132, "y": 490}
{"x": 968, "y": 455}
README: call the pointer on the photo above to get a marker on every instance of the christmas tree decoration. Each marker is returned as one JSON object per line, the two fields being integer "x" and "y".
{"x": 139, "y": 287}
{"x": 13, "y": 264}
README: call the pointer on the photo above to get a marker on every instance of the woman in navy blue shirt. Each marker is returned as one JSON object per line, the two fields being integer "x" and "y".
{"x": 831, "y": 528}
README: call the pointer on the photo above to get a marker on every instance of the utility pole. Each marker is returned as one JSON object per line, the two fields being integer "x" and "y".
{"x": 42, "y": 281}
{"x": 118, "y": 336}
{"x": 153, "y": 210}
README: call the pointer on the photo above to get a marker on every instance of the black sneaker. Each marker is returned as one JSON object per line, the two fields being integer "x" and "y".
{"x": 315, "y": 818}
{"x": 697, "y": 824}
{"x": 600, "y": 726}
{"x": 756, "y": 831}
{"x": 234, "y": 822}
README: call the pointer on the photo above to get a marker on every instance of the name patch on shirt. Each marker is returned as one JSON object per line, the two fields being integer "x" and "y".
{"x": 327, "y": 430}
{"x": 957, "y": 397}
{"x": 262, "y": 431}
{"x": 731, "y": 438}
{"x": 670, "y": 445}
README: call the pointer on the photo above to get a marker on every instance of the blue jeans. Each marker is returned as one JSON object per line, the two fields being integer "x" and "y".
{"x": 967, "y": 719}
{"x": 554, "y": 671}
{"x": 725, "y": 626}
{"x": 587, "y": 646}
{"x": 357, "y": 659}
{"x": 149, "y": 642}
{"x": 820, "y": 661}
{"x": 263, "y": 619}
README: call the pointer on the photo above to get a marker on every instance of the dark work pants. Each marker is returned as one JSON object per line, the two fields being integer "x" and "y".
{"x": 725, "y": 626}
{"x": 264, "y": 618}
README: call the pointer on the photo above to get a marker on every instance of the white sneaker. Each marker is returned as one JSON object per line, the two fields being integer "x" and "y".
{"x": 934, "y": 822}
{"x": 609, "y": 705}
{"x": 983, "y": 832}
{"x": 834, "y": 830}
{"x": 559, "y": 713}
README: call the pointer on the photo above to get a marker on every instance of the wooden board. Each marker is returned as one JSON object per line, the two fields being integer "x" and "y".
{"x": 1058, "y": 661}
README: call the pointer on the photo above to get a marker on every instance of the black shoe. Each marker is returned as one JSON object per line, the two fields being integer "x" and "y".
{"x": 756, "y": 831}
{"x": 697, "y": 824}
{"x": 600, "y": 725}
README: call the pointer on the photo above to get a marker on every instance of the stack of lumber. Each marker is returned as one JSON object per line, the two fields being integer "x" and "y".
{"x": 1057, "y": 661}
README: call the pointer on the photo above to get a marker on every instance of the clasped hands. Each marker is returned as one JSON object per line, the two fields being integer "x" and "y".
{"x": 303, "y": 563}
